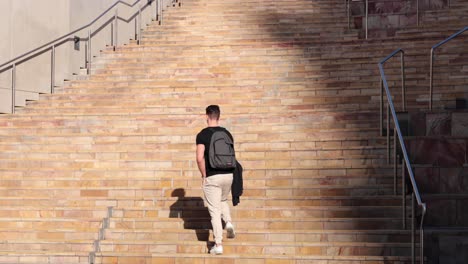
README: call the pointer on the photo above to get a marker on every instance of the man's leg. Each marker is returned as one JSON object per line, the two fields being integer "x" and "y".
{"x": 225, "y": 210}
{"x": 226, "y": 190}
{"x": 213, "y": 194}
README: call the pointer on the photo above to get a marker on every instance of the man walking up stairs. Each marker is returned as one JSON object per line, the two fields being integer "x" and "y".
{"x": 216, "y": 162}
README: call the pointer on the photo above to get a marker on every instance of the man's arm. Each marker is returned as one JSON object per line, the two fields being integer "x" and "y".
{"x": 201, "y": 159}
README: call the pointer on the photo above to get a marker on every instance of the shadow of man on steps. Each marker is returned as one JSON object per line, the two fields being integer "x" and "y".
{"x": 194, "y": 213}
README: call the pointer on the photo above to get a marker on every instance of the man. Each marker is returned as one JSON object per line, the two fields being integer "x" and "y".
{"x": 216, "y": 183}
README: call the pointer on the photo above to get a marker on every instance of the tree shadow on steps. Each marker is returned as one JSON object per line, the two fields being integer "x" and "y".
{"x": 193, "y": 212}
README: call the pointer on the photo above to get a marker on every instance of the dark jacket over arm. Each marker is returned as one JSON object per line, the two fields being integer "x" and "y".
{"x": 237, "y": 185}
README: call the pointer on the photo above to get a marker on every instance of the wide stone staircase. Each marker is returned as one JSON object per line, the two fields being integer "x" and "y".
{"x": 104, "y": 170}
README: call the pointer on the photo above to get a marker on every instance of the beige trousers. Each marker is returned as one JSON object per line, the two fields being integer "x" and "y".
{"x": 217, "y": 189}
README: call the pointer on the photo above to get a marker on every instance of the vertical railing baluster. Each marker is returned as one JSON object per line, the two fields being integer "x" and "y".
{"x": 135, "y": 29}
{"x": 157, "y": 10}
{"x": 388, "y": 134}
{"x": 395, "y": 164}
{"x": 161, "y": 12}
{"x": 13, "y": 88}
{"x": 90, "y": 53}
{"x": 431, "y": 77}
{"x": 154, "y": 15}
{"x": 367, "y": 18}
{"x": 52, "y": 70}
{"x": 403, "y": 88}
{"x": 139, "y": 26}
{"x": 403, "y": 191}
{"x": 417, "y": 13}
{"x": 421, "y": 234}
{"x": 116, "y": 18}
{"x": 413, "y": 235}
{"x": 381, "y": 107}
{"x": 348, "y": 10}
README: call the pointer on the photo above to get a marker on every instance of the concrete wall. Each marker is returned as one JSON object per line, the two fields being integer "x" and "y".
{"x": 27, "y": 24}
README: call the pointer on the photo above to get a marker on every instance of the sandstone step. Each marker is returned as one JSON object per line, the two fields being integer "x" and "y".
{"x": 362, "y": 103}
{"x": 48, "y": 236}
{"x": 44, "y": 223}
{"x": 306, "y": 102}
{"x": 264, "y": 235}
{"x": 41, "y": 257}
{"x": 168, "y": 168}
{"x": 261, "y": 223}
{"x": 138, "y": 191}
{"x": 349, "y": 138}
{"x": 166, "y": 202}
{"x": 79, "y": 247}
{"x": 182, "y": 211}
{"x": 113, "y": 257}
{"x": 271, "y": 248}
{"x": 56, "y": 212}
{"x": 192, "y": 179}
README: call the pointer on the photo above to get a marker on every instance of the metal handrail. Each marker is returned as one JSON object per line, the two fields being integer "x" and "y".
{"x": 52, "y": 45}
{"x": 49, "y": 44}
{"x": 408, "y": 166}
{"x": 431, "y": 64}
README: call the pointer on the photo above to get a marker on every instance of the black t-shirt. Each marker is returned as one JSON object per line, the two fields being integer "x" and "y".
{"x": 204, "y": 137}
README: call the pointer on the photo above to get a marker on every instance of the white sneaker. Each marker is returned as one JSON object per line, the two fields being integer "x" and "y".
{"x": 216, "y": 250}
{"x": 230, "y": 230}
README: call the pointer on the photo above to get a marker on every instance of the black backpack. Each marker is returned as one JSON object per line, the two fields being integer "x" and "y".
{"x": 221, "y": 152}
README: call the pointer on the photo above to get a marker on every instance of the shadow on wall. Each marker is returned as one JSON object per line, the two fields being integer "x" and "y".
{"x": 193, "y": 212}
{"x": 339, "y": 79}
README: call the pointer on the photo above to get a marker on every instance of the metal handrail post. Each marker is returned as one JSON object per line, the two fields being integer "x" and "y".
{"x": 413, "y": 231}
{"x": 154, "y": 16}
{"x": 90, "y": 53}
{"x": 116, "y": 18}
{"x": 367, "y": 18}
{"x": 158, "y": 7}
{"x": 417, "y": 13}
{"x": 431, "y": 68}
{"x": 348, "y": 11}
{"x": 381, "y": 107}
{"x": 139, "y": 26}
{"x": 135, "y": 28}
{"x": 162, "y": 10}
{"x": 421, "y": 236}
{"x": 403, "y": 191}
{"x": 403, "y": 88}
{"x": 52, "y": 70}
{"x": 13, "y": 88}
{"x": 388, "y": 133}
{"x": 395, "y": 164}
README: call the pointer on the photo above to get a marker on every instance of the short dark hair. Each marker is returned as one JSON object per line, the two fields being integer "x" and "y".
{"x": 213, "y": 112}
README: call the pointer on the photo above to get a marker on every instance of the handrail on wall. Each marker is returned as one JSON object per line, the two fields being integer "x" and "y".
{"x": 52, "y": 45}
{"x": 431, "y": 69}
{"x": 405, "y": 160}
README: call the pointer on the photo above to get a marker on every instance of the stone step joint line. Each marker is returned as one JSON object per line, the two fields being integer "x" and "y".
{"x": 101, "y": 235}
